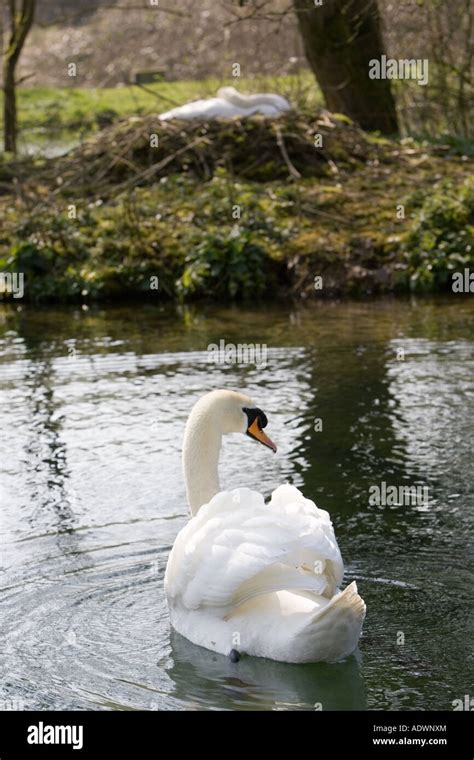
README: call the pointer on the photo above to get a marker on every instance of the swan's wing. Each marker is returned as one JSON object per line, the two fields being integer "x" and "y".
{"x": 261, "y": 102}
{"x": 211, "y": 108}
{"x": 237, "y": 547}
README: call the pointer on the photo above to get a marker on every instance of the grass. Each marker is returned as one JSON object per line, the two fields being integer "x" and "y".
{"x": 59, "y": 118}
{"x": 85, "y": 110}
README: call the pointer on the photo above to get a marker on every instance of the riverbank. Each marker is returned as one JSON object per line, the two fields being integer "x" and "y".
{"x": 237, "y": 210}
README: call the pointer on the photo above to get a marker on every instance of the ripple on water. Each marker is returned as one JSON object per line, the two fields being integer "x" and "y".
{"x": 92, "y": 499}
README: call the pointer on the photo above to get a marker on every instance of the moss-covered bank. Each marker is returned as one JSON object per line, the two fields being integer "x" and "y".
{"x": 237, "y": 210}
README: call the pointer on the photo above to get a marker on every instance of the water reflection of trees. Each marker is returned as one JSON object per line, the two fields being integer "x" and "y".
{"x": 45, "y": 452}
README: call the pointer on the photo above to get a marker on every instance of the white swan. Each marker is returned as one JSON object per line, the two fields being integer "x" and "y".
{"x": 245, "y": 576}
{"x": 228, "y": 103}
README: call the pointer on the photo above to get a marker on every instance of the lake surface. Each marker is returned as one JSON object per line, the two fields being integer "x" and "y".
{"x": 94, "y": 404}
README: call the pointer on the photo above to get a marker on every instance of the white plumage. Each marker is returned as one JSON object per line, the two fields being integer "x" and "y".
{"x": 259, "y": 578}
{"x": 229, "y": 103}
{"x": 262, "y": 578}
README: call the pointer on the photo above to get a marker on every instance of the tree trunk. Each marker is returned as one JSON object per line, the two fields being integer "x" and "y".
{"x": 9, "y": 107}
{"x": 340, "y": 38}
{"x": 20, "y": 24}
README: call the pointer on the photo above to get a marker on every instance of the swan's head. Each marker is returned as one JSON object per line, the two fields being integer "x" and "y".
{"x": 232, "y": 412}
{"x": 215, "y": 414}
{"x": 256, "y": 421}
{"x": 230, "y": 94}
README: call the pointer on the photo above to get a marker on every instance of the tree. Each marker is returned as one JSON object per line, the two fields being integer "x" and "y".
{"x": 20, "y": 15}
{"x": 340, "y": 38}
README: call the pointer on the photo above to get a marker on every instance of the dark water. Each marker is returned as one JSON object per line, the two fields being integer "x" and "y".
{"x": 93, "y": 408}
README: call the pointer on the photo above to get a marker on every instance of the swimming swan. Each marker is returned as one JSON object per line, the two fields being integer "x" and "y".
{"x": 248, "y": 577}
{"x": 228, "y": 103}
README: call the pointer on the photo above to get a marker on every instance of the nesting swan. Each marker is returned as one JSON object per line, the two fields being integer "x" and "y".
{"x": 260, "y": 579}
{"x": 229, "y": 103}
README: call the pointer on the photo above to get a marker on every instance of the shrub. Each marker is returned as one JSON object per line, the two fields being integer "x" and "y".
{"x": 441, "y": 238}
{"x": 226, "y": 265}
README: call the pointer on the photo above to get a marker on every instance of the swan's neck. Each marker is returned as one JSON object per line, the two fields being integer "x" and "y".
{"x": 202, "y": 443}
{"x": 244, "y": 101}
{"x": 247, "y": 101}
{"x": 232, "y": 95}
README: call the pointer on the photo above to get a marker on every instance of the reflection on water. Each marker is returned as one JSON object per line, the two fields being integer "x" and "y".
{"x": 93, "y": 409}
{"x": 206, "y": 679}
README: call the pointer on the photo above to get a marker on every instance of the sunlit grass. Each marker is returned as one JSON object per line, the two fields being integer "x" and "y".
{"x": 80, "y": 109}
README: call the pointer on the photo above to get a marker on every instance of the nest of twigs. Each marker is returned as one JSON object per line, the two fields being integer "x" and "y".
{"x": 140, "y": 151}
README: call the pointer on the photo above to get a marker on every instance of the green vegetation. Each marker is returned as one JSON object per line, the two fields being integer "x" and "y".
{"x": 170, "y": 231}
{"x": 81, "y": 110}
{"x": 219, "y": 211}
{"x": 441, "y": 237}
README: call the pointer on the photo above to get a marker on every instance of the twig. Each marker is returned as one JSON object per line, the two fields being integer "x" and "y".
{"x": 160, "y": 165}
{"x": 156, "y": 94}
{"x": 281, "y": 144}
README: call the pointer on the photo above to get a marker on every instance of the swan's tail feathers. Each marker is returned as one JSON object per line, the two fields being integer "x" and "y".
{"x": 334, "y": 631}
{"x": 347, "y": 601}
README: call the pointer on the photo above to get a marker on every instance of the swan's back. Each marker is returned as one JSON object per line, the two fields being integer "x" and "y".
{"x": 237, "y": 547}
{"x": 212, "y": 108}
{"x": 262, "y": 578}
{"x": 229, "y": 103}
{"x": 267, "y": 574}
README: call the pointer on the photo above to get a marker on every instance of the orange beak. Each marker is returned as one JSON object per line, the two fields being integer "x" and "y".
{"x": 254, "y": 432}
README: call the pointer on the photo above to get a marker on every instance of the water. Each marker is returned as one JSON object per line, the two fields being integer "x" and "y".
{"x": 93, "y": 408}
{"x": 46, "y": 142}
